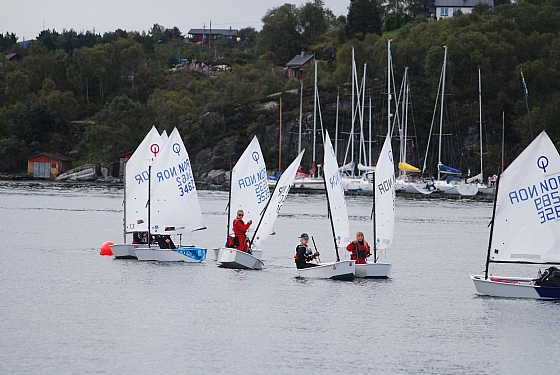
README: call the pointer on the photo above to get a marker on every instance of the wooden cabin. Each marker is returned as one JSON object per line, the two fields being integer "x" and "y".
{"x": 45, "y": 165}
{"x": 296, "y": 64}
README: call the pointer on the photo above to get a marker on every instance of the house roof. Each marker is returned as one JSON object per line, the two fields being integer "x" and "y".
{"x": 227, "y": 32}
{"x": 461, "y": 3}
{"x": 12, "y": 56}
{"x": 299, "y": 60}
{"x": 54, "y": 156}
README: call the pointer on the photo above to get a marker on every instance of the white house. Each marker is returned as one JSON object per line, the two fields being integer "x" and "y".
{"x": 447, "y": 8}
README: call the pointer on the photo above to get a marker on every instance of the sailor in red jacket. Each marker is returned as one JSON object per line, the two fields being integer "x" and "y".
{"x": 240, "y": 230}
{"x": 359, "y": 248}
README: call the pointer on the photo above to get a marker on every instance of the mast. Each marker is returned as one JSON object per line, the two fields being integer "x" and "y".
{"x": 369, "y": 149}
{"x": 389, "y": 86}
{"x": 336, "y": 126}
{"x": 229, "y": 199}
{"x": 330, "y": 217}
{"x": 314, "y": 121}
{"x": 441, "y": 110}
{"x": 503, "y": 126}
{"x": 280, "y": 142}
{"x": 527, "y": 102}
{"x": 149, "y": 212}
{"x": 362, "y": 115}
{"x": 480, "y": 122}
{"x": 406, "y": 95}
{"x": 124, "y": 204}
{"x": 491, "y": 229}
{"x": 353, "y": 113}
{"x": 373, "y": 215}
{"x": 300, "y": 116}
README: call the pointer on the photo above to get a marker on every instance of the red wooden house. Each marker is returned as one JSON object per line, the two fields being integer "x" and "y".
{"x": 297, "y": 63}
{"x": 46, "y": 165}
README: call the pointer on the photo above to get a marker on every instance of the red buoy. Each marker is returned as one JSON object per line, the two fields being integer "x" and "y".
{"x": 106, "y": 249}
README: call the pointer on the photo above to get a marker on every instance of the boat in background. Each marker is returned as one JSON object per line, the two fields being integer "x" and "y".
{"x": 338, "y": 215}
{"x": 173, "y": 206}
{"x": 525, "y": 225}
{"x": 383, "y": 214}
{"x": 409, "y": 180}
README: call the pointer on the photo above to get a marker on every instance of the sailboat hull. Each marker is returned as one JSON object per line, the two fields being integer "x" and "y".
{"x": 182, "y": 254}
{"x": 257, "y": 253}
{"x": 373, "y": 270}
{"x": 343, "y": 270}
{"x": 124, "y": 251}
{"x": 412, "y": 187}
{"x": 233, "y": 258}
{"x": 514, "y": 287}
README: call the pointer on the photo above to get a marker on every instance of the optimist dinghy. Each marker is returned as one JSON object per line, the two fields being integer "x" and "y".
{"x": 338, "y": 215}
{"x": 526, "y": 223}
{"x": 136, "y": 192}
{"x": 173, "y": 206}
{"x": 248, "y": 192}
{"x": 383, "y": 213}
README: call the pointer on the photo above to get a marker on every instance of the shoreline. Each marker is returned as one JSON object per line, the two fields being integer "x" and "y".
{"x": 113, "y": 182}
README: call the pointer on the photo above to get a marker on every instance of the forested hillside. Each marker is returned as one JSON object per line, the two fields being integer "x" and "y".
{"x": 95, "y": 96}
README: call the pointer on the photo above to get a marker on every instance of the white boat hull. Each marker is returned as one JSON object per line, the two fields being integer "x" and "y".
{"x": 412, "y": 187}
{"x": 233, "y": 258}
{"x": 309, "y": 183}
{"x": 513, "y": 287}
{"x": 182, "y": 254}
{"x": 343, "y": 270}
{"x": 373, "y": 270}
{"x": 125, "y": 250}
{"x": 257, "y": 253}
{"x": 356, "y": 184}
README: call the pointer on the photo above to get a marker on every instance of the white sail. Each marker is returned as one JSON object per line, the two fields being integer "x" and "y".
{"x": 385, "y": 196}
{"x": 276, "y": 201}
{"x": 335, "y": 193}
{"x": 174, "y": 203}
{"x": 249, "y": 185}
{"x": 136, "y": 184}
{"x": 527, "y": 219}
{"x": 164, "y": 136}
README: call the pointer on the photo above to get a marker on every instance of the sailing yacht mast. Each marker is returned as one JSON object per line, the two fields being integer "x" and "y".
{"x": 353, "y": 113}
{"x": 441, "y": 111}
{"x": 314, "y": 122}
{"x": 300, "y": 116}
{"x": 389, "y": 86}
{"x": 480, "y": 123}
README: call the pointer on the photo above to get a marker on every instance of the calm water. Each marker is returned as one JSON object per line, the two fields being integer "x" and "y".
{"x": 66, "y": 309}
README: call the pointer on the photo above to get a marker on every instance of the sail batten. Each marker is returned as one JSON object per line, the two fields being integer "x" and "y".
{"x": 527, "y": 221}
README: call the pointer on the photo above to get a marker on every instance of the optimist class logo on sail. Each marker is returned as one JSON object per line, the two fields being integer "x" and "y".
{"x": 545, "y": 195}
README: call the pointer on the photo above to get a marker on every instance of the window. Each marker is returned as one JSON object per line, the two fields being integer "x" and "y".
{"x": 444, "y": 12}
{"x": 455, "y": 10}
{"x": 53, "y": 165}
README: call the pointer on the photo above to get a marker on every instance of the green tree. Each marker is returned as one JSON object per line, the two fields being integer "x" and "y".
{"x": 61, "y": 106}
{"x": 314, "y": 21}
{"x": 17, "y": 86}
{"x": 364, "y": 17}
{"x": 280, "y": 34}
